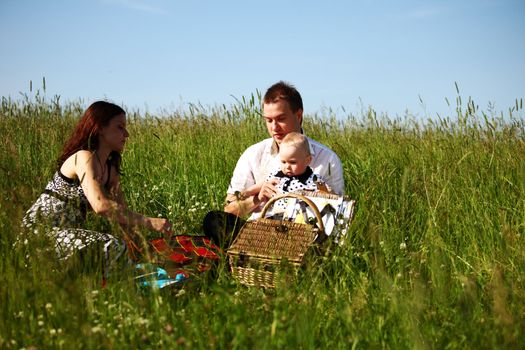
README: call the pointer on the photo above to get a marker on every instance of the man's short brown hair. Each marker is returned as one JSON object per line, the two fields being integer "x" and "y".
{"x": 284, "y": 91}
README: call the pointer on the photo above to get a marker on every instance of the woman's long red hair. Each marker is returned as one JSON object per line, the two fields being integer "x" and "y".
{"x": 85, "y": 134}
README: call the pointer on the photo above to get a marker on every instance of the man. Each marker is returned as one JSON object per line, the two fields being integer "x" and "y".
{"x": 249, "y": 189}
{"x": 283, "y": 113}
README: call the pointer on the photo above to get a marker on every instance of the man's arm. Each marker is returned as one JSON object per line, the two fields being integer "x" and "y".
{"x": 326, "y": 163}
{"x": 244, "y": 202}
{"x": 247, "y": 201}
{"x": 241, "y": 198}
{"x": 337, "y": 182}
{"x": 241, "y": 206}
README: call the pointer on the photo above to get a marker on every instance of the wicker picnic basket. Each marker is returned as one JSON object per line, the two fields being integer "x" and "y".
{"x": 264, "y": 246}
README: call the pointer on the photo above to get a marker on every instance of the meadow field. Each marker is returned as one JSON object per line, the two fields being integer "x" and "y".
{"x": 434, "y": 258}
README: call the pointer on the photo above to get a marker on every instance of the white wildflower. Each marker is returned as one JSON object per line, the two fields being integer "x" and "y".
{"x": 97, "y": 329}
{"x": 142, "y": 321}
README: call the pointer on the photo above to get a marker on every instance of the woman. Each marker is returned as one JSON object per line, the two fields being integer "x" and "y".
{"x": 88, "y": 176}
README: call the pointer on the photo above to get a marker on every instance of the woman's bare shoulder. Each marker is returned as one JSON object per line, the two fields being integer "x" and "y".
{"x": 82, "y": 156}
{"x": 76, "y": 161}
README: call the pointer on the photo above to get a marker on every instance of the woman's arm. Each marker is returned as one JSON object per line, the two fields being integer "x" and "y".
{"x": 115, "y": 190}
{"x": 113, "y": 208}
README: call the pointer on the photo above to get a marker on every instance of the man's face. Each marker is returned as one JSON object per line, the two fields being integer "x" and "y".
{"x": 280, "y": 120}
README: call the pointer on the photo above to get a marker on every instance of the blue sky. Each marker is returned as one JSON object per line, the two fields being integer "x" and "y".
{"x": 162, "y": 54}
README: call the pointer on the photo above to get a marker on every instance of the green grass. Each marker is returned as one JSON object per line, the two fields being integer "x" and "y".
{"x": 435, "y": 257}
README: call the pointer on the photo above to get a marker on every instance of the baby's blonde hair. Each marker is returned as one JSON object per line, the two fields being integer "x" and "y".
{"x": 297, "y": 140}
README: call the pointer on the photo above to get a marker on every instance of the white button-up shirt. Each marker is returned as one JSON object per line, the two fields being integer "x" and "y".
{"x": 261, "y": 159}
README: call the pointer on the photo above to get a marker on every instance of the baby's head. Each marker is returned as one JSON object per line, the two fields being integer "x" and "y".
{"x": 294, "y": 152}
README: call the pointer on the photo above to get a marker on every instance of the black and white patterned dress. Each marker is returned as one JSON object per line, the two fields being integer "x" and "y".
{"x": 60, "y": 212}
{"x": 306, "y": 181}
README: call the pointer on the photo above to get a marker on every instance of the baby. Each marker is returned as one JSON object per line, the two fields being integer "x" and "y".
{"x": 295, "y": 173}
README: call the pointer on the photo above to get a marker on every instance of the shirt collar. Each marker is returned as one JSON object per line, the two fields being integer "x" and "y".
{"x": 301, "y": 178}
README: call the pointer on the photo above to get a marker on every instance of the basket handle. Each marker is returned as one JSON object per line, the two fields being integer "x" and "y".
{"x": 298, "y": 196}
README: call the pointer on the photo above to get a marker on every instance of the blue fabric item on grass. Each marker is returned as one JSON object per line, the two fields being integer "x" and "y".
{"x": 151, "y": 275}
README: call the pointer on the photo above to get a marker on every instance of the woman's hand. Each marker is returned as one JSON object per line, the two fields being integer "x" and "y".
{"x": 161, "y": 225}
